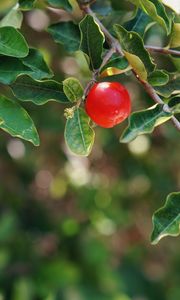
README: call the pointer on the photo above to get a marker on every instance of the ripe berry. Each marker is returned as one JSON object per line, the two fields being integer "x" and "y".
{"x": 108, "y": 104}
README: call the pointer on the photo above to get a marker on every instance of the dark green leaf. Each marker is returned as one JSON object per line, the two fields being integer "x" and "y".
{"x": 79, "y": 135}
{"x": 72, "y": 89}
{"x": 33, "y": 65}
{"x": 60, "y": 4}
{"x": 117, "y": 17}
{"x": 10, "y": 68}
{"x": 101, "y": 7}
{"x": 66, "y": 33}
{"x": 116, "y": 62}
{"x": 12, "y": 43}
{"x": 26, "y": 88}
{"x": 166, "y": 221}
{"x": 16, "y": 121}
{"x": 136, "y": 54}
{"x": 14, "y": 18}
{"x": 174, "y": 104}
{"x": 111, "y": 78}
{"x": 158, "y": 77}
{"x": 156, "y": 10}
{"x": 144, "y": 121}
{"x": 37, "y": 64}
{"x": 26, "y": 4}
{"x": 172, "y": 87}
{"x": 140, "y": 24}
{"x": 92, "y": 40}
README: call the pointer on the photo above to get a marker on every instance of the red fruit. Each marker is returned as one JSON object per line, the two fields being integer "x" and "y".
{"x": 108, "y": 104}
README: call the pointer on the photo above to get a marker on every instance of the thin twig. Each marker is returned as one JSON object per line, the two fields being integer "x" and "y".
{"x": 162, "y": 50}
{"x": 106, "y": 58}
{"x": 114, "y": 43}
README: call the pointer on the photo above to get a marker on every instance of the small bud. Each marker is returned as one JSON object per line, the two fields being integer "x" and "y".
{"x": 69, "y": 112}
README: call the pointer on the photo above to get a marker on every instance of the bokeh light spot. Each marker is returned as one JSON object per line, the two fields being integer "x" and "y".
{"x": 43, "y": 179}
{"x": 16, "y": 148}
{"x": 140, "y": 145}
{"x": 58, "y": 188}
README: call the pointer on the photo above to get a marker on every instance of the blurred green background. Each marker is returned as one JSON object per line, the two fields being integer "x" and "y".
{"x": 75, "y": 228}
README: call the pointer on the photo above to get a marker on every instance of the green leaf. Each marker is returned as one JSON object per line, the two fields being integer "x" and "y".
{"x": 37, "y": 64}
{"x": 144, "y": 121}
{"x": 174, "y": 104}
{"x": 10, "y": 68}
{"x": 12, "y": 43}
{"x": 158, "y": 77}
{"x": 117, "y": 17}
{"x": 14, "y": 18}
{"x": 101, "y": 7}
{"x": 26, "y": 4}
{"x": 33, "y": 65}
{"x": 156, "y": 10}
{"x": 110, "y": 78}
{"x": 39, "y": 92}
{"x": 116, "y": 62}
{"x": 166, "y": 220}
{"x": 66, "y": 33}
{"x": 16, "y": 121}
{"x": 60, "y": 4}
{"x": 79, "y": 136}
{"x": 140, "y": 24}
{"x": 175, "y": 36}
{"x": 92, "y": 40}
{"x": 172, "y": 87}
{"x": 72, "y": 89}
{"x": 176, "y": 62}
{"x": 134, "y": 50}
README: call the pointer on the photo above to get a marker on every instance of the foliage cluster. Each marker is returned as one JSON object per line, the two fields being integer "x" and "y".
{"x": 76, "y": 237}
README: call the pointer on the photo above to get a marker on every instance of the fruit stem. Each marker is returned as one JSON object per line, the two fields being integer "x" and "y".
{"x": 88, "y": 87}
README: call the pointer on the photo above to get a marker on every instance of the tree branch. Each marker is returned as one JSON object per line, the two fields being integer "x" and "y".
{"x": 152, "y": 93}
{"x": 162, "y": 50}
{"x": 114, "y": 43}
